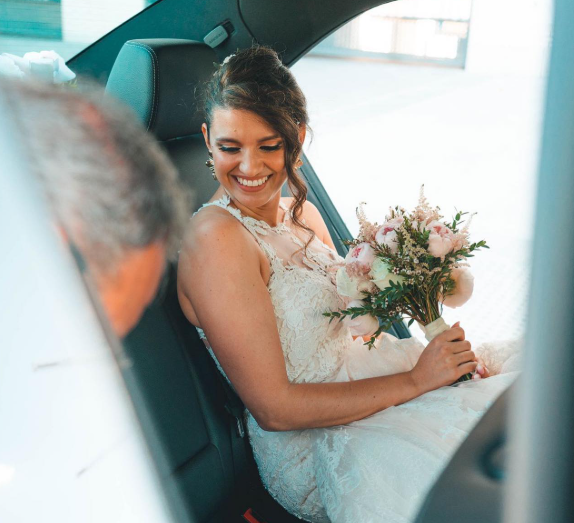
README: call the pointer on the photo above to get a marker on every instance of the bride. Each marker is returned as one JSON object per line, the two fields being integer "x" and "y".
{"x": 339, "y": 433}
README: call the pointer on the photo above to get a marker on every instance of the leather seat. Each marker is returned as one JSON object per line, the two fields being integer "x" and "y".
{"x": 189, "y": 413}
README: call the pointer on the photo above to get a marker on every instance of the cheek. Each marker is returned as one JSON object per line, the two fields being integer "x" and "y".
{"x": 277, "y": 163}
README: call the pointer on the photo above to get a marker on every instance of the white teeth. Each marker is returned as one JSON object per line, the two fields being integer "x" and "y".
{"x": 252, "y": 183}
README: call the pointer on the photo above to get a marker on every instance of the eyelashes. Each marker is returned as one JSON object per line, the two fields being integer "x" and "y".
{"x": 272, "y": 147}
{"x": 266, "y": 148}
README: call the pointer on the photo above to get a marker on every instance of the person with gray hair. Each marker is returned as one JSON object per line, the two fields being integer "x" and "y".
{"x": 115, "y": 194}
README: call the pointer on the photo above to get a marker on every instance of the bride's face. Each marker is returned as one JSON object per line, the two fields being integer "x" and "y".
{"x": 248, "y": 156}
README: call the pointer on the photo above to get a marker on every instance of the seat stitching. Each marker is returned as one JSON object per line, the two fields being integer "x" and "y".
{"x": 154, "y": 63}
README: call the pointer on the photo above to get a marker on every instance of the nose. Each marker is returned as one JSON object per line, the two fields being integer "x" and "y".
{"x": 251, "y": 163}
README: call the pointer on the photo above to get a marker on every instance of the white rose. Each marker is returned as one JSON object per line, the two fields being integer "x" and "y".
{"x": 361, "y": 325}
{"x": 62, "y": 73}
{"x": 8, "y": 67}
{"x": 439, "y": 245}
{"x": 351, "y": 287}
{"x": 382, "y": 275}
{"x": 464, "y": 285}
{"x": 47, "y": 65}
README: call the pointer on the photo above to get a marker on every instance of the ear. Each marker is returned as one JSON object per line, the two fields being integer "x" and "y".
{"x": 205, "y": 132}
{"x": 302, "y": 133}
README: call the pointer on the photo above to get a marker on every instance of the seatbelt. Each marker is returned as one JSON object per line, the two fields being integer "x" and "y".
{"x": 236, "y": 410}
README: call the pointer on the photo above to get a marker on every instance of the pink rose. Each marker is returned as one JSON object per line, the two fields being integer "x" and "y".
{"x": 439, "y": 228}
{"x": 439, "y": 246}
{"x": 361, "y": 325}
{"x": 361, "y": 257}
{"x": 464, "y": 285}
{"x": 387, "y": 234}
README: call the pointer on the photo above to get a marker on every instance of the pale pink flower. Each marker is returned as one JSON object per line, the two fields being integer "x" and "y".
{"x": 459, "y": 240}
{"x": 464, "y": 285}
{"x": 439, "y": 246}
{"x": 361, "y": 325}
{"x": 439, "y": 228}
{"x": 360, "y": 259}
{"x": 387, "y": 234}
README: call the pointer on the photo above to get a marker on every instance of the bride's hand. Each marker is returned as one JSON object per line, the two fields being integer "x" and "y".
{"x": 444, "y": 360}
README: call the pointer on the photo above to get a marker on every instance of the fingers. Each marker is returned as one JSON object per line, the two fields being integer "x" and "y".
{"x": 455, "y": 333}
{"x": 464, "y": 357}
{"x": 465, "y": 368}
{"x": 458, "y": 346}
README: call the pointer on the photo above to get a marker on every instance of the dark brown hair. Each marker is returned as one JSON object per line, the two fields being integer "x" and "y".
{"x": 256, "y": 80}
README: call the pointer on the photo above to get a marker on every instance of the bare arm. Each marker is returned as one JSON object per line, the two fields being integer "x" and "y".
{"x": 221, "y": 276}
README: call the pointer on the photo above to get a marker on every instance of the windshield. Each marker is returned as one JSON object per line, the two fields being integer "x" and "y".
{"x": 64, "y": 26}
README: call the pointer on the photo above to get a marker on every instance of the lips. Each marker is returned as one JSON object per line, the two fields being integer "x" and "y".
{"x": 251, "y": 184}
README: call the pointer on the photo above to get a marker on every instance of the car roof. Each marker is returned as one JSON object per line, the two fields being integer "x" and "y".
{"x": 291, "y": 27}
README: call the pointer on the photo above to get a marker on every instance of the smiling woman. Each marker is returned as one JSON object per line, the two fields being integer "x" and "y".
{"x": 255, "y": 283}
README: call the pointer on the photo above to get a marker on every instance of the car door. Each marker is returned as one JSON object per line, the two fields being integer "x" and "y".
{"x": 71, "y": 447}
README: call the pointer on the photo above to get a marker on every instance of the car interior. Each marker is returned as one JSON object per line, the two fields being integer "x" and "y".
{"x": 156, "y": 63}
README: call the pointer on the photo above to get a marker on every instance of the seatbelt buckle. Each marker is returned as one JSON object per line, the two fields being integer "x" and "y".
{"x": 252, "y": 516}
{"x": 239, "y": 426}
{"x": 240, "y": 429}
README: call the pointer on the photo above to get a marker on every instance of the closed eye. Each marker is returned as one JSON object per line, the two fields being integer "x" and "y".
{"x": 228, "y": 149}
{"x": 272, "y": 147}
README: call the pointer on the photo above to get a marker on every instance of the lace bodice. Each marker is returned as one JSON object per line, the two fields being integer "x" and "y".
{"x": 301, "y": 287}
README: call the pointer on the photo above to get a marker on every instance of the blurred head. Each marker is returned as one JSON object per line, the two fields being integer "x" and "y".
{"x": 113, "y": 191}
{"x": 255, "y": 124}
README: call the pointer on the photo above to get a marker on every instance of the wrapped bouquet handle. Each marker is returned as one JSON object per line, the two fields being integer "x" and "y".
{"x": 433, "y": 329}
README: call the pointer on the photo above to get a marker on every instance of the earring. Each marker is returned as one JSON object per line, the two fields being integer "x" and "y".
{"x": 209, "y": 163}
{"x": 298, "y": 163}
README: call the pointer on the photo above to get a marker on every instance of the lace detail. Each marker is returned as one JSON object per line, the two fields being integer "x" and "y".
{"x": 377, "y": 469}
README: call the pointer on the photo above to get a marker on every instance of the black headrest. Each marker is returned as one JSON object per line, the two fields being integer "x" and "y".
{"x": 162, "y": 80}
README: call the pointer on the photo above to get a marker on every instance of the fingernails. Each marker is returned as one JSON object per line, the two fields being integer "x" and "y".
{"x": 480, "y": 369}
{"x": 476, "y": 376}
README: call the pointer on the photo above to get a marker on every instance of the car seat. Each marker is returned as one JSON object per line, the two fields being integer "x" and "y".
{"x": 193, "y": 419}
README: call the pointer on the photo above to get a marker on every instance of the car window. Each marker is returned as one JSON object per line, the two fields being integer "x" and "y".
{"x": 441, "y": 93}
{"x": 66, "y": 27}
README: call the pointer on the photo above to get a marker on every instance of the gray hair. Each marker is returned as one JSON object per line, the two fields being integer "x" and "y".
{"x": 109, "y": 183}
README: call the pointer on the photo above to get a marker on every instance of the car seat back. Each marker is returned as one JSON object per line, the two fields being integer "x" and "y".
{"x": 202, "y": 454}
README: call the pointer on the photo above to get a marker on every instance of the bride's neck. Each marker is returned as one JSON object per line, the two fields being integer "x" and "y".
{"x": 271, "y": 213}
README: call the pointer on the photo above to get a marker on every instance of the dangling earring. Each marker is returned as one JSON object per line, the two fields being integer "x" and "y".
{"x": 298, "y": 163}
{"x": 211, "y": 166}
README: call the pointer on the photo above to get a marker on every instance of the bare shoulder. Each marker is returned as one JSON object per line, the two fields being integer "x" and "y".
{"x": 214, "y": 238}
{"x": 210, "y": 228}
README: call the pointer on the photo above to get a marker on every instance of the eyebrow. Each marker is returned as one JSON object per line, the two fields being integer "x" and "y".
{"x": 232, "y": 140}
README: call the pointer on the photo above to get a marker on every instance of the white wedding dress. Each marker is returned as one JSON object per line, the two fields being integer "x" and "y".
{"x": 377, "y": 469}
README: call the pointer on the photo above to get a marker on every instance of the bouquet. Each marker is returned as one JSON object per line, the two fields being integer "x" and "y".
{"x": 409, "y": 266}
